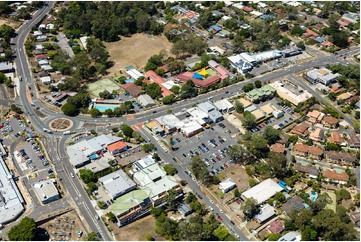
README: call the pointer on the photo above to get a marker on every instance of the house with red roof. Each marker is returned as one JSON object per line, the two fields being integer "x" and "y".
{"x": 117, "y": 147}
{"x": 155, "y": 78}
{"x": 310, "y": 34}
{"x": 184, "y": 77}
{"x": 332, "y": 175}
{"x": 336, "y": 138}
{"x": 327, "y": 44}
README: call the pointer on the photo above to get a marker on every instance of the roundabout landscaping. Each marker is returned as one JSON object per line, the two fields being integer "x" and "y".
{"x": 60, "y": 124}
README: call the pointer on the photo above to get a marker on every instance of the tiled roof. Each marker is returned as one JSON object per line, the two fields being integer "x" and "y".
{"x": 301, "y": 148}
{"x": 116, "y": 146}
{"x": 301, "y": 129}
{"x": 276, "y": 227}
{"x": 336, "y": 138}
{"x": 330, "y": 120}
{"x": 279, "y": 148}
{"x": 331, "y": 174}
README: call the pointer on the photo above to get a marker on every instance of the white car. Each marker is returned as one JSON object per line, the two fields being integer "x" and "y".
{"x": 210, "y": 208}
{"x": 72, "y": 175}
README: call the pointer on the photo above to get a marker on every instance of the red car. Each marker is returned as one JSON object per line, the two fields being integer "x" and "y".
{"x": 238, "y": 202}
{"x": 218, "y": 158}
{"x": 219, "y": 218}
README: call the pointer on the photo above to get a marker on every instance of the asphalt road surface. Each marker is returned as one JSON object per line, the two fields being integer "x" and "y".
{"x": 59, "y": 157}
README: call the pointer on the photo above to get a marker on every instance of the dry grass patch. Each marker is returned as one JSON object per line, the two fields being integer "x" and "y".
{"x": 137, "y": 230}
{"x": 135, "y": 50}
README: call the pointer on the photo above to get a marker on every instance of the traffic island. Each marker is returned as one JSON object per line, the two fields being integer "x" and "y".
{"x": 60, "y": 124}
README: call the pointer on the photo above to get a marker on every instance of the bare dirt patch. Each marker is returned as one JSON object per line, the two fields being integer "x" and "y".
{"x": 136, "y": 230}
{"x": 64, "y": 227}
{"x": 135, "y": 50}
{"x": 13, "y": 24}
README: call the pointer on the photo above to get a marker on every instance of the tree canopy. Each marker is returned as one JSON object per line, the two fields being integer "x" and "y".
{"x": 24, "y": 231}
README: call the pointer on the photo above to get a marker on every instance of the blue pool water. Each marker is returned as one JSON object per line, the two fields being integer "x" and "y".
{"x": 102, "y": 108}
{"x": 129, "y": 80}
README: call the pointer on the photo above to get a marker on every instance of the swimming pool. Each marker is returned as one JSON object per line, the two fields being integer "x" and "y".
{"x": 103, "y": 107}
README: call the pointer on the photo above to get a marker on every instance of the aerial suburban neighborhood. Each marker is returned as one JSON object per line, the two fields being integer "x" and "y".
{"x": 180, "y": 120}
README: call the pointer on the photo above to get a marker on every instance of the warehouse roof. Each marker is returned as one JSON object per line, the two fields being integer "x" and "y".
{"x": 117, "y": 182}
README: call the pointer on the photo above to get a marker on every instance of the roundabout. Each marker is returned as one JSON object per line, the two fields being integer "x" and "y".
{"x": 60, "y": 124}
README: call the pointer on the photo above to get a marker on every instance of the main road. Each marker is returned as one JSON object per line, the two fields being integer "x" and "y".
{"x": 75, "y": 192}
{"x": 73, "y": 186}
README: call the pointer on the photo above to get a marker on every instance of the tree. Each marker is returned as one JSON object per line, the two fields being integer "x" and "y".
{"x": 102, "y": 204}
{"x": 127, "y": 130}
{"x": 69, "y": 109}
{"x": 200, "y": 170}
{"x": 153, "y": 90}
{"x": 175, "y": 89}
{"x": 297, "y": 31}
{"x": 94, "y": 113}
{"x": 250, "y": 208}
{"x": 321, "y": 202}
{"x": 271, "y": 134}
{"x": 248, "y": 87}
{"x": 24, "y": 231}
{"x": 258, "y": 84}
{"x": 91, "y": 187}
{"x": 149, "y": 237}
{"x": 340, "y": 39}
{"x": 301, "y": 45}
{"x": 309, "y": 234}
{"x": 341, "y": 212}
{"x": 111, "y": 217}
{"x": 108, "y": 112}
{"x": 105, "y": 95}
{"x": 221, "y": 233}
{"x": 238, "y": 106}
{"x": 249, "y": 120}
{"x": 148, "y": 147}
{"x": 168, "y": 99}
{"x": 274, "y": 237}
{"x": 92, "y": 236}
{"x": 87, "y": 176}
{"x": 332, "y": 146}
{"x": 356, "y": 127}
{"x": 170, "y": 169}
{"x": 188, "y": 90}
{"x": 16, "y": 109}
{"x": 258, "y": 146}
{"x": 278, "y": 164}
{"x": 342, "y": 194}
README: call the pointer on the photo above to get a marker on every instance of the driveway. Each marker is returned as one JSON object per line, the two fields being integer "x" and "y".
{"x": 63, "y": 43}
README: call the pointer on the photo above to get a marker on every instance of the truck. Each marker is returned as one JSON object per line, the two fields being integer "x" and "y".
{"x": 66, "y": 132}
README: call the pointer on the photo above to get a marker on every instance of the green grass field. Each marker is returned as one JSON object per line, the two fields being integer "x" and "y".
{"x": 333, "y": 204}
{"x": 102, "y": 85}
{"x": 211, "y": 72}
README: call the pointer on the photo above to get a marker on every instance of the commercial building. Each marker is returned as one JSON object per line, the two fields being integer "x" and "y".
{"x": 323, "y": 75}
{"x": 261, "y": 94}
{"x": 149, "y": 175}
{"x": 224, "y": 106}
{"x": 190, "y": 127}
{"x": 227, "y": 185}
{"x": 198, "y": 115}
{"x": 262, "y": 191}
{"x": 143, "y": 163}
{"x": 117, "y": 183}
{"x": 240, "y": 64}
{"x": 11, "y": 201}
{"x": 168, "y": 122}
{"x": 6, "y": 67}
{"x": 46, "y": 191}
{"x": 146, "y": 101}
{"x": 211, "y": 110}
{"x": 83, "y": 152}
{"x": 290, "y": 92}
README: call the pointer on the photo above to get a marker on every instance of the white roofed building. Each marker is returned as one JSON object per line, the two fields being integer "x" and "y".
{"x": 117, "y": 183}
{"x": 227, "y": 185}
{"x": 146, "y": 101}
{"x": 46, "y": 191}
{"x": 148, "y": 175}
{"x": 134, "y": 73}
{"x": 169, "y": 122}
{"x": 143, "y": 163}
{"x": 262, "y": 191}
{"x": 224, "y": 106}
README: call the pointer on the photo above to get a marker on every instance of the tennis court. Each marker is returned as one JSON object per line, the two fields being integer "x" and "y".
{"x": 211, "y": 72}
{"x": 102, "y": 85}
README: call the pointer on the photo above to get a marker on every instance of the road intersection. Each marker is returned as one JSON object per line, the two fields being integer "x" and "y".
{"x": 74, "y": 189}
